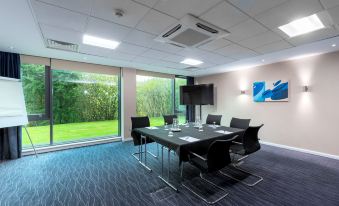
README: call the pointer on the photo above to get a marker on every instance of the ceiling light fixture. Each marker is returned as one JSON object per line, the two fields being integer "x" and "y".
{"x": 334, "y": 45}
{"x": 192, "y": 62}
{"x": 302, "y": 26}
{"x": 99, "y": 42}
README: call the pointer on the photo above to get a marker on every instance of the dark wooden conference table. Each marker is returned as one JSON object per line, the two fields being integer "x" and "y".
{"x": 188, "y": 139}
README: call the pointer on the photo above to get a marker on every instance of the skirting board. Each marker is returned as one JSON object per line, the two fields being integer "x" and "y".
{"x": 301, "y": 150}
{"x": 127, "y": 139}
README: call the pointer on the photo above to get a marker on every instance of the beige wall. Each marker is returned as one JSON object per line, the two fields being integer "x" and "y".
{"x": 128, "y": 109}
{"x": 308, "y": 121}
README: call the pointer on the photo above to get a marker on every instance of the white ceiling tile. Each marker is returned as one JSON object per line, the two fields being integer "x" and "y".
{"x": 224, "y": 15}
{"x": 60, "y": 34}
{"x": 95, "y": 51}
{"x": 205, "y": 56}
{"x": 143, "y": 60}
{"x": 168, "y": 64}
{"x": 155, "y": 22}
{"x": 329, "y": 3}
{"x": 131, "y": 49}
{"x": 236, "y": 51}
{"x": 260, "y": 40}
{"x": 121, "y": 56}
{"x": 207, "y": 65}
{"x": 140, "y": 38}
{"x": 105, "y": 29}
{"x": 276, "y": 46}
{"x": 149, "y": 3}
{"x": 314, "y": 36}
{"x": 245, "y": 30}
{"x": 179, "y": 8}
{"x": 83, "y": 6}
{"x": 133, "y": 12}
{"x": 55, "y": 16}
{"x": 154, "y": 54}
{"x": 219, "y": 59}
{"x": 215, "y": 44}
{"x": 334, "y": 13}
{"x": 173, "y": 58}
{"x": 190, "y": 52}
{"x": 289, "y": 11}
{"x": 254, "y": 7}
{"x": 166, "y": 47}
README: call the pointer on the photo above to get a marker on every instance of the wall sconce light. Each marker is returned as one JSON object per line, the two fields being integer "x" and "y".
{"x": 242, "y": 92}
{"x": 305, "y": 88}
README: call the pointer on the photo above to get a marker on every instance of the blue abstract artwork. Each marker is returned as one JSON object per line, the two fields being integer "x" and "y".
{"x": 267, "y": 91}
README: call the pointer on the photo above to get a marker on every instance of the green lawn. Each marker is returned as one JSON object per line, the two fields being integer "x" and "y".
{"x": 76, "y": 131}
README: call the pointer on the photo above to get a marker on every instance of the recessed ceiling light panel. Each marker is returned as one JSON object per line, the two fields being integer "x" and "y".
{"x": 192, "y": 62}
{"x": 302, "y": 26}
{"x": 99, "y": 42}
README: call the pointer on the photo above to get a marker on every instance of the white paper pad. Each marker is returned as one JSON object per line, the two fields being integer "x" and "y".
{"x": 152, "y": 127}
{"x": 216, "y": 126}
{"x": 189, "y": 139}
{"x": 223, "y": 132}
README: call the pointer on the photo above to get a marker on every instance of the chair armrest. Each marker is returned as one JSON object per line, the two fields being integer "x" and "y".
{"x": 198, "y": 156}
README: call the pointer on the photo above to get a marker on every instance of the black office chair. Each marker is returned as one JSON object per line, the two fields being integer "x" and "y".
{"x": 139, "y": 140}
{"x": 240, "y": 123}
{"x": 249, "y": 145}
{"x": 214, "y": 160}
{"x": 213, "y": 118}
{"x": 169, "y": 118}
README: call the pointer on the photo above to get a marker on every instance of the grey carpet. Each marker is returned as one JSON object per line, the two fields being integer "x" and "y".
{"x": 109, "y": 175}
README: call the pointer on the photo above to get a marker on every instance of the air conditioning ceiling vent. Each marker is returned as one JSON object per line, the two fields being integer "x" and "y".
{"x": 60, "y": 45}
{"x": 191, "y": 32}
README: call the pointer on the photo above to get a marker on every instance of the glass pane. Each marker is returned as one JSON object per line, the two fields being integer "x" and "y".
{"x": 33, "y": 81}
{"x": 34, "y": 86}
{"x": 85, "y": 105}
{"x": 180, "y": 109}
{"x": 39, "y": 132}
{"x": 154, "y": 98}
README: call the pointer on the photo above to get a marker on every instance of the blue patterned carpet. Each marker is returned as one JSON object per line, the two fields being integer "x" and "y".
{"x": 109, "y": 175}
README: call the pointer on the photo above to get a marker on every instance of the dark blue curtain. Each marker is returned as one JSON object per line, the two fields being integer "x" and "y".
{"x": 190, "y": 109}
{"x": 10, "y": 138}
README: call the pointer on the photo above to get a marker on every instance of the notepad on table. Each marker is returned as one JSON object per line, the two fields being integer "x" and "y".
{"x": 223, "y": 132}
{"x": 152, "y": 127}
{"x": 189, "y": 139}
{"x": 216, "y": 126}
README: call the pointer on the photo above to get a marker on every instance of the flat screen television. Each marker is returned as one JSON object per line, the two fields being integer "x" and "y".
{"x": 201, "y": 94}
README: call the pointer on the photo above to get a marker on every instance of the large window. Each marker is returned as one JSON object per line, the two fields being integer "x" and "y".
{"x": 154, "y": 98}
{"x": 83, "y": 105}
{"x": 180, "y": 110}
{"x": 35, "y": 88}
{"x": 157, "y": 96}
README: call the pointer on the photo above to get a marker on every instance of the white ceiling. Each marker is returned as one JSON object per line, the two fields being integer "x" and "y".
{"x": 253, "y": 27}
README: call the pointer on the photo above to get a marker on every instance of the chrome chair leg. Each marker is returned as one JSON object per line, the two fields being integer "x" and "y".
{"x": 140, "y": 153}
{"x": 244, "y": 171}
{"x": 204, "y": 199}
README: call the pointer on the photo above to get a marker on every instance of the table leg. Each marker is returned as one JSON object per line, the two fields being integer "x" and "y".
{"x": 168, "y": 171}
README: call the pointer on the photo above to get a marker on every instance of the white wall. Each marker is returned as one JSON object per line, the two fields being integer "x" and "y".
{"x": 309, "y": 120}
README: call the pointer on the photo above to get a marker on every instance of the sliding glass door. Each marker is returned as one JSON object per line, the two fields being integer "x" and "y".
{"x": 66, "y": 106}
{"x": 35, "y": 86}
{"x": 157, "y": 96}
{"x": 180, "y": 110}
{"x": 154, "y": 98}
{"x": 85, "y": 105}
